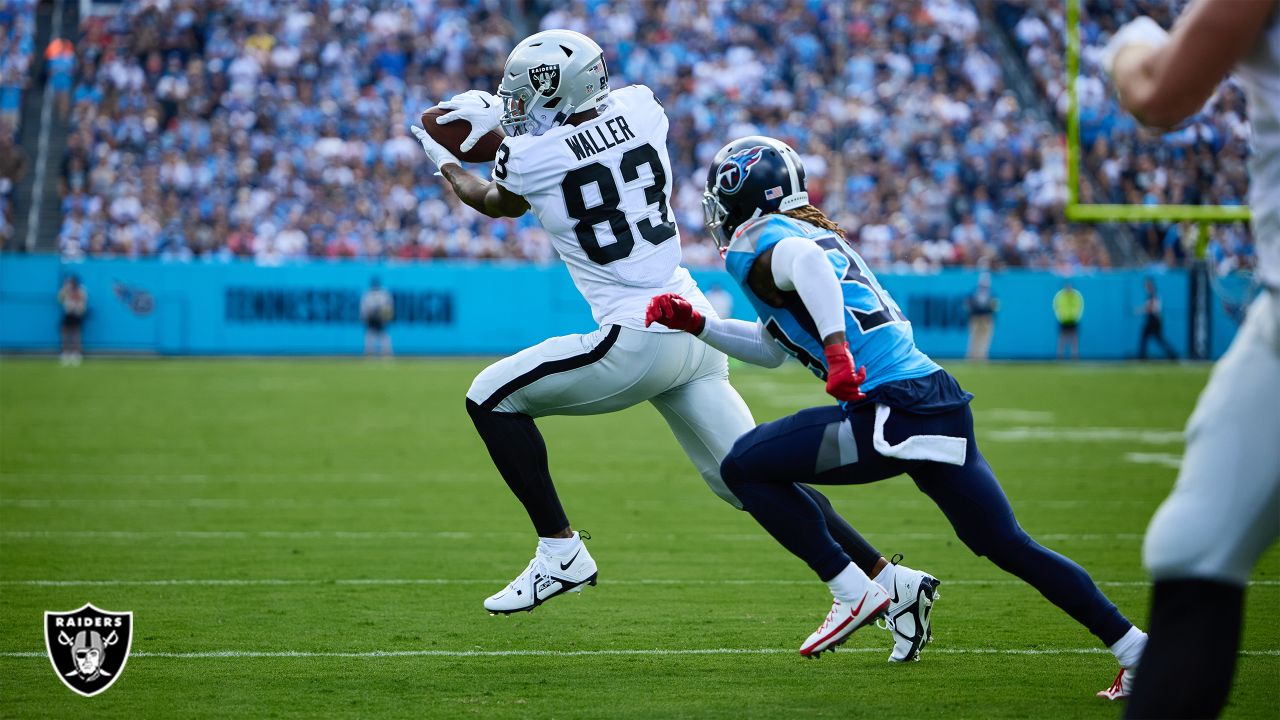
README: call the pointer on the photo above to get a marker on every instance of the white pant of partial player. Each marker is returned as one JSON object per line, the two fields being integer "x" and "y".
{"x": 616, "y": 367}
{"x": 1225, "y": 508}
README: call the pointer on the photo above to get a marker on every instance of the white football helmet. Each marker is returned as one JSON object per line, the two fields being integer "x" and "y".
{"x": 548, "y": 77}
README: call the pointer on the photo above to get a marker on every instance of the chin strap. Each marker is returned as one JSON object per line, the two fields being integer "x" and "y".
{"x": 560, "y": 117}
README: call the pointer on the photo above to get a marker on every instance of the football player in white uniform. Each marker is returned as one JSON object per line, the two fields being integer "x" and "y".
{"x": 592, "y": 165}
{"x": 1224, "y": 511}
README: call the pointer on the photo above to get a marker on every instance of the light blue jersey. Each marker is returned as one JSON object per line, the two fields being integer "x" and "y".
{"x": 879, "y": 334}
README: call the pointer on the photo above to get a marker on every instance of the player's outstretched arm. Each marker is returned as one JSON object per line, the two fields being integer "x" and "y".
{"x": 746, "y": 341}
{"x": 485, "y": 196}
{"x": 739, "y": 339}
{"x": 1164, "y": 78}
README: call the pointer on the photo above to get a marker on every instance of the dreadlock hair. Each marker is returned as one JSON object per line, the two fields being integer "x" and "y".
{"x": 814, "y": 216}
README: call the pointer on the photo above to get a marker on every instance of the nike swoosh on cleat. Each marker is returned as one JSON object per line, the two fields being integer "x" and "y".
{"x": 860, "y": 602}
{"x": 565, "y": 566}
{"x": 837, "y": 629}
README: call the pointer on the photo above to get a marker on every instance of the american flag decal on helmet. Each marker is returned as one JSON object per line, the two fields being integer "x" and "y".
{"x": 773, "y": 193}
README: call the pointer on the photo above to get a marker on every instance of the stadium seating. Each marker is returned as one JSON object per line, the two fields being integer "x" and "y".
{"x": 275, "y": 131}
{"x": 1202, "y": 162}
{"x": 17, "y": 48}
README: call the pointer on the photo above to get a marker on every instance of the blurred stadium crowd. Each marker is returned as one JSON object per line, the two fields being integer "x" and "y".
{"x": 17, "y": 47}
{"x": 1202, "y": 162}
{"x": 277, "y": 130}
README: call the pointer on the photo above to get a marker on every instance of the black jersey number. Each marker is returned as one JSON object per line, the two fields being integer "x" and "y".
{"x": 653, "y": 194}
{"x": 500, "y": 167}
{"x": 887, "y": 312}
{"x": 796, "y": 349}
{"x": 607, "y": 210}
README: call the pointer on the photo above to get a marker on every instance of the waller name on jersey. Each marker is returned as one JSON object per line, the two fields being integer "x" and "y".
{"x": 584, "y": 144}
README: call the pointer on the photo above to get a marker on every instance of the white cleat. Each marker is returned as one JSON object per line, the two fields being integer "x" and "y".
{"x": 844, "y": 619}
{"x": 1121, "y": 687}
{"x": 910, "y": 614}
{"x": 545, "y": 577}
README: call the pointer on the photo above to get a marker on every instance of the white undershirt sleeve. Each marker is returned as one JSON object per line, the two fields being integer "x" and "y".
{"x": 746, "y": 341}
{"x": 799, "y": 264}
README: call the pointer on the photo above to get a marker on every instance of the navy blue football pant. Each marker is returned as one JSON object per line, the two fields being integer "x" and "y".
{"x": 766, "y": 463}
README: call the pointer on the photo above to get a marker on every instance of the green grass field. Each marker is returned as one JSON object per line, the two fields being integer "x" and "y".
{"x": 305, "y": 538}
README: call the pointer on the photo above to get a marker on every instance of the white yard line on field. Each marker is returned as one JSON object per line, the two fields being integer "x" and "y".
{"x": 1148, "y": 436}
{"x": 213, "y": 654}
{"x": 1169, "y": 460}
{"x": 1013, "y": 415}
{"x": 211, "y": 503}
{"x": 271, "y": 582}
{"x": 69, "y": 503}
{"x": 199, "y": 479}
{"x": 445, "y": 535}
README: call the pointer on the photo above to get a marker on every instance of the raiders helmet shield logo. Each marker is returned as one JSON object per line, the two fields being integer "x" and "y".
{"x": 545, "y": 79}
{"x": 88, "y": 647}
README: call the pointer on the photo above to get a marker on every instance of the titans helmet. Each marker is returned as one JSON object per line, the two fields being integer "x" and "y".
{"x": 748, "y": 178}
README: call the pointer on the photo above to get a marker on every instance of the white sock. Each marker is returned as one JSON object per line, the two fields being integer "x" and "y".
{"x": 560, "y": 546}
{"x": 885, "y": 578}
{"x": 850, "y": 585}
{"x": 1128, "y": 649}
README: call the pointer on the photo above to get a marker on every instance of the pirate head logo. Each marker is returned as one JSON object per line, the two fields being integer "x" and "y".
{"x": 733, "y": 172}
{"x": 545, "y": 79}
{"x": 88, "y": 647}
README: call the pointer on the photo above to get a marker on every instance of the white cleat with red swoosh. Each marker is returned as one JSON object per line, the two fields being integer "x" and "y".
{"x": 844, "y": 619}
{"x": 1121, "y": 687}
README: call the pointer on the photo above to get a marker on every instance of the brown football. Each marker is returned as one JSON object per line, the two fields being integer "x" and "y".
{"x": 452, "y": 134}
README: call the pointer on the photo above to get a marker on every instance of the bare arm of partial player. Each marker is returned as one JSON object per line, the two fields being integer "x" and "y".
{"x": 485, "y": 196}
{"x": 792, "y": 265}
{"x": 1164, "y": 86}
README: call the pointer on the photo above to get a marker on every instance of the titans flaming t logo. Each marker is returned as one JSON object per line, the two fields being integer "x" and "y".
{"x": 733, "y": 172}
{"x": 88, "y": 647}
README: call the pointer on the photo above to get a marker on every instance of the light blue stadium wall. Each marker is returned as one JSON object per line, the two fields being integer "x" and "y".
{"x": 465, "y": 308}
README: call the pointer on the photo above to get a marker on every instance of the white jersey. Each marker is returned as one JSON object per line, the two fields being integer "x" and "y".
{"x": 1259, "y": 72}
{"x": 602, "y": 191}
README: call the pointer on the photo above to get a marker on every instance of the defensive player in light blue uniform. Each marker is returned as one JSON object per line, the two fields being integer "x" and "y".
{"x": 900, "y": 413}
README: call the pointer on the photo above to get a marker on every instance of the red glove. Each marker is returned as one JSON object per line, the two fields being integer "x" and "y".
{"x": 842, "y": 380}
{"x": 673, "y": 311}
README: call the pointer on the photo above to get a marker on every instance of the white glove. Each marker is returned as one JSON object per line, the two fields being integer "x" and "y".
{"x": 1139, "y": 31}
{"x": 483, "y": 110}
{"x": 436, "y": 152}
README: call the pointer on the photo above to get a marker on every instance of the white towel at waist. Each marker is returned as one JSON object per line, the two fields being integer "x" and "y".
{"x": 937, "y": 448}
